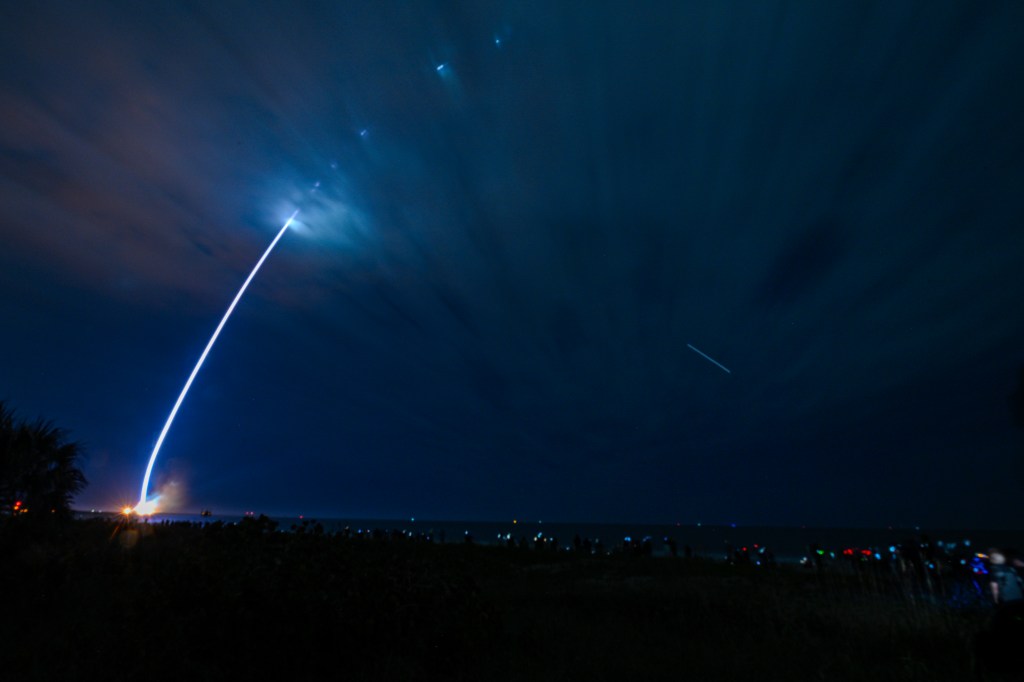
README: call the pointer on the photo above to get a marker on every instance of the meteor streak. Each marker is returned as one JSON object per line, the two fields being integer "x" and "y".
{"x": 709, "y": 359}
{"x": 149, "y": 506}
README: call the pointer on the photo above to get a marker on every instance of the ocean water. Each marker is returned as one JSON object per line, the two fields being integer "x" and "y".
{"x": 789, "y": 544}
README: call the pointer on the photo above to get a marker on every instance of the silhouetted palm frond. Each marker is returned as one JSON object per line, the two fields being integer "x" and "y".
{"x": 39, "y": 466}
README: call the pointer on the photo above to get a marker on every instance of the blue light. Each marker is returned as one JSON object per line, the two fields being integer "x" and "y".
{"x": 892, "y": 549}
{"x": 709, "y": 358}
{"x": 144, "y": 494}
{"x": 441, "y": 67}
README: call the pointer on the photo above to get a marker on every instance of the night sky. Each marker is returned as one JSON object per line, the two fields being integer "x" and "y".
{"x": 526, "y": 213}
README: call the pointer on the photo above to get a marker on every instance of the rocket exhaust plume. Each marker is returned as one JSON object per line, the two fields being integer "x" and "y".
{"x": 149, "y": 506}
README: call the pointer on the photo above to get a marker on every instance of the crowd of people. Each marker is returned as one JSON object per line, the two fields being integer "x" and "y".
{"x": 953, "y": 570}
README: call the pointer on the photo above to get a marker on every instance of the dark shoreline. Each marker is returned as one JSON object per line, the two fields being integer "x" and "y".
{"x": 789, "y": 544}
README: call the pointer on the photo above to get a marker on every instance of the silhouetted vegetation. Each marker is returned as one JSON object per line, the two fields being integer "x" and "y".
{"x": 131, "y": 600}
{"x": 229, "y": 601}
{"x": 39, "y": 470}
{"x": 234, "y": 602}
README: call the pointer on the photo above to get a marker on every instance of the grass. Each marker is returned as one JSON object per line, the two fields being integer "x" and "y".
{"x": 222, "y": 602}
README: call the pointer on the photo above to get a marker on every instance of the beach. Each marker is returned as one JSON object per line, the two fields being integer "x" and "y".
{"x": 122, "y": 600}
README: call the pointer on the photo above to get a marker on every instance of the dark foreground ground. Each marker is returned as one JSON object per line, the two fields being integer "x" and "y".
{"x": 101, "y": 601}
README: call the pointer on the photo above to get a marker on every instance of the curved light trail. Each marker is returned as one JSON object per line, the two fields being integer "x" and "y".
{"x": 145, "y": 506}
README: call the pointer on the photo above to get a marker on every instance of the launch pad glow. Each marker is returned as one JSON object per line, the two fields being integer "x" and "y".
{"x": 146, "y": 506}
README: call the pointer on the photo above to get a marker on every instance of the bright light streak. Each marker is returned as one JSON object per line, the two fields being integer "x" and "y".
{"x": 709, "y": 359}
{"x": 149, "y": 506}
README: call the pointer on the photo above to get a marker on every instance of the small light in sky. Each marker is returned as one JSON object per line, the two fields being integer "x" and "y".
{"x": 441, "y": 67}
{"x": 363, "y": 133}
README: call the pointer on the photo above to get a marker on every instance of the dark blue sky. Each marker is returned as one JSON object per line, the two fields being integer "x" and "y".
{"x": 485, "y": 309}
